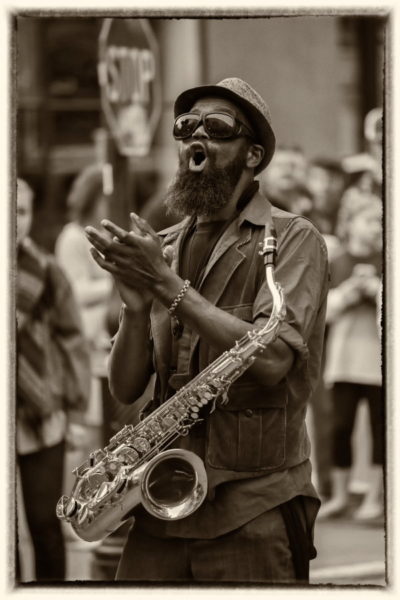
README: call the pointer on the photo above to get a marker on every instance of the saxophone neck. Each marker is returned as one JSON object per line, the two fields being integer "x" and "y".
{"x": 268, "y": 251}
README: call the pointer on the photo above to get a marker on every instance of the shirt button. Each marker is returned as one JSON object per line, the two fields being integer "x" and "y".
{"x": 248, "y": 412}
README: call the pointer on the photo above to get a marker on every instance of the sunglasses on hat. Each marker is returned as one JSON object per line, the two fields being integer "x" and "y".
{"x": 218, "y": 125}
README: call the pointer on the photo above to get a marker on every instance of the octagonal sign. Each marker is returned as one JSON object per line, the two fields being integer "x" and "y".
{"x": 129, "y": 79}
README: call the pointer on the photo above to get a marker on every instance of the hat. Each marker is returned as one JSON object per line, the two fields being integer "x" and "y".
{"x": 245, "y": 97}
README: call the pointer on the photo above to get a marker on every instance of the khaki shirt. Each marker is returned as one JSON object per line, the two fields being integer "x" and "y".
{"x": 255, "y": 448}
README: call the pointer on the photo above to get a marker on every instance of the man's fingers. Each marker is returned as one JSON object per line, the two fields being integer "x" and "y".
{"x": 99, "y": 241}
{"x": 168, "y": 254}
{"x": 116, "y": 231}
{"x": 119, "y": 249}
{"x": 103, "y": 263}
{"x": 135, "y": 225}
{"x": 130, "y": 238}
{"x": 141, "y": 224}
{"x": 110, "y": 248}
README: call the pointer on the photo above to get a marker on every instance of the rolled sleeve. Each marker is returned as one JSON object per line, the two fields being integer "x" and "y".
{"x": 302, "y": 271}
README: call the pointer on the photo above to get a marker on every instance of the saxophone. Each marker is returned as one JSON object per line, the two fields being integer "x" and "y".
{"x": 135, "y": 467}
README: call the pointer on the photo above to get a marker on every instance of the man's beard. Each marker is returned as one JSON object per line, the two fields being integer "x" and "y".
{"x": 203, "y": 194}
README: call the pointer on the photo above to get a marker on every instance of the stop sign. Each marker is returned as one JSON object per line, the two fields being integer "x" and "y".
{"x": 129, "y": 79}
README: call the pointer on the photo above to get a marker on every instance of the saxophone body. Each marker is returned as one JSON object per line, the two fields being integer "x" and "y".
{"x": 136, "y": 467}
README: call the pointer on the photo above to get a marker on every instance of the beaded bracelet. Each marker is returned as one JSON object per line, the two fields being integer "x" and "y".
{"x": 179, "y": 297}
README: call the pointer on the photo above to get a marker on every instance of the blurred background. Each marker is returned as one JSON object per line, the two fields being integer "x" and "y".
{"x": 323, "y": 78}
{"x": 320, "y": 76}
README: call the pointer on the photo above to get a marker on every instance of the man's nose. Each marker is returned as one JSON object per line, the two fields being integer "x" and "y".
{"x": 200, "y": 131}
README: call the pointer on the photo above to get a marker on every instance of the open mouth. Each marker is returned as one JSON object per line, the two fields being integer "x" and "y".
{"x": 198, "y": 158}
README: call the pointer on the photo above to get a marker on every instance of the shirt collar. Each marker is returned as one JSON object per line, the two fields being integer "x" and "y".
{"x": 256, "y": 209}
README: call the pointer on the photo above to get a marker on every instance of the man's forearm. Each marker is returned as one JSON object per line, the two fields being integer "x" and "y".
{"x": 220, "y": 330}
{"x": 130, "y": 364}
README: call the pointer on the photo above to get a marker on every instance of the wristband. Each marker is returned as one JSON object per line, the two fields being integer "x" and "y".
{"x": 179, "y": 297}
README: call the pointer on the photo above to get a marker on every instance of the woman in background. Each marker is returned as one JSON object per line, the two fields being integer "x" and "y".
{"x": 92, "y": 285}
{"x": 353, "y": 355}
{"x": 87, "y": 205}
{"x": 53, "y": 385}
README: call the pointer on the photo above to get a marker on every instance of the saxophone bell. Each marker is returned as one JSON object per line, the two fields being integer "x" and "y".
{"x": 170, "y": 486}
{"x": 174, "y": 484}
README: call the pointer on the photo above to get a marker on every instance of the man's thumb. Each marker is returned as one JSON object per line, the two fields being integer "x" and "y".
{"x": 168, "y": 254}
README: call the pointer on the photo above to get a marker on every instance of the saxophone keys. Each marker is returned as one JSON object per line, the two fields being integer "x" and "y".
{"x": 66, "y": 507}
{"x": 71, "y": 508}
{"x": 193, "y": 401}
{"x": 169, "y": 421}
{"x": 156, "y": 426}
{"x": 96, "y": 479}
{"x": 128, "y": 454}
{"x": 141, "y": 445}
{"x": 205, "y": 401}
{"x": 194, "y": 415}
{"x": 82, "y": 515}
{"x": 102, "y": 491}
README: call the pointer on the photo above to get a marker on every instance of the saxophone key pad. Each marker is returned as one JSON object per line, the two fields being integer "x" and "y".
{"x": 82, "y": 514}
{"x": 129, "y": 454}
{"x": 204, "y": 400}
{"x": 141, "y": 445}
{"x": 169, "y": 420}
{"x": 113, "y": 466}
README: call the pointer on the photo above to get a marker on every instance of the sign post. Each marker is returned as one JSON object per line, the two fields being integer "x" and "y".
{"x": 130, "y": 83}
{"x": 129, "y": 79}
{"x": 130, "y": 87}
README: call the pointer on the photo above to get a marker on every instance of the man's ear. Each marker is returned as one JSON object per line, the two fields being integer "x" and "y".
{"x": 255, "y": 155}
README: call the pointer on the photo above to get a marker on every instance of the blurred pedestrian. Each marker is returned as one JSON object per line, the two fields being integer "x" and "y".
{"x": 365, "y": 170}
{"x": 286, "y": 174}
{"x": 92, "y": 286}
{"x": 353, "y": 362}
{"x": 53, "y": 381}
{"x": 325, "y": 180}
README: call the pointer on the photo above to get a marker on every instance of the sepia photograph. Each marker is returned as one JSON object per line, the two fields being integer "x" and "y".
{"x": 200, "y": 216}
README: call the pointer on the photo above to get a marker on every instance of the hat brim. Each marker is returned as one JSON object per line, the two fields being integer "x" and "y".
{"x": 264, "y": 134}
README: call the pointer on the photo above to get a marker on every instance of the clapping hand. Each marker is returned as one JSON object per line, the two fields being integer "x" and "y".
{"x": 134, "y": 258}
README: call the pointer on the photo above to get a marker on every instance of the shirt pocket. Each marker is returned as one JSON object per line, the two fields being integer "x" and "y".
{"x": 249, "y": 432}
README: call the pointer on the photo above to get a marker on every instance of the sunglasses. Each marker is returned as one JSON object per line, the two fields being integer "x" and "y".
{"x": 218, "y": 125}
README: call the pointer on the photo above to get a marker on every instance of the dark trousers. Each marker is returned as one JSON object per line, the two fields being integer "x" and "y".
{"x": 321, "y": 407}
{"x": 345, "y": 400}
{"x": 258, "y": 552}
{"x": 42, "y": 479}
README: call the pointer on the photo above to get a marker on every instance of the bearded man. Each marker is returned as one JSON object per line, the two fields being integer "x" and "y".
{"x": 188, "y": 294}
